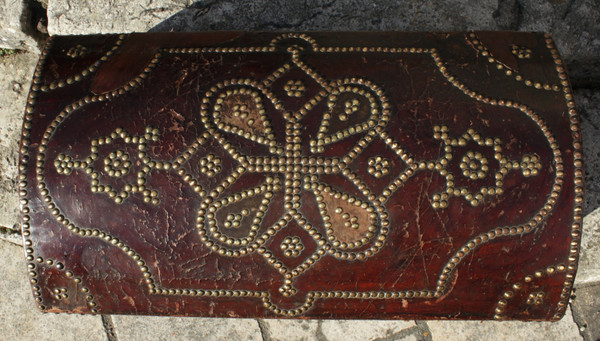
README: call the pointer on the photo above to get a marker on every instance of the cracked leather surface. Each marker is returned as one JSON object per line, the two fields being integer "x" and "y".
{"x": 319, "y": 175}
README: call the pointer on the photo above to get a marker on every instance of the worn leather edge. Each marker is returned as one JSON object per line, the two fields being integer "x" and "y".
{"x": 22, "y": 177}
{"x": 133, "y": 56}
{"x": 578, "y": 179}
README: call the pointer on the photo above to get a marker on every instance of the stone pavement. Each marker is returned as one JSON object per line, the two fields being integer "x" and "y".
{"x": 573, "y": 23}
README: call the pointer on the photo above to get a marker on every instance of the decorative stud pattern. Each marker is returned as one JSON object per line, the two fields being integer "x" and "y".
{"x": 41, "y": 184}
{"x": 209, "y": 226}
{"x": 534, "y": 298}
{"x": 349, "y": 221}
{"x": 60, "y": 293}
{"x": 117, "y": 164}
{"x": 535, "y": 221}
{"x": 336, "y": 124}
{"x": 350, "y": 107}
{"x": 235, "y": 220}
{"x": 294, "y": 88}
{"x": 210, "y": 165}
{"x": 473, "y": 165}
{"x": 293, "y": 35}
{"x": 77, "y": 51}
{"x": 294, "y": 166}
{"x": 238, "y": 109}
{"x": 521, "y": 53}
{"x": 378, "y": 166}
{"x": 578, "y": 179}
{"x": 23, "y": 192}
{"x": 530, "y": 165}
{"x": 292, "y": 246}
{"x": 64, "y": 164}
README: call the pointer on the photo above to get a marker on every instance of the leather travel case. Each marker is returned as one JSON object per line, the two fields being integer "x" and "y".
{"x": 302, "y": 175}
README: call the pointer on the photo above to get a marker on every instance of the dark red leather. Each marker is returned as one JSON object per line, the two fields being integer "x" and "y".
{"x": 320, "y": 175}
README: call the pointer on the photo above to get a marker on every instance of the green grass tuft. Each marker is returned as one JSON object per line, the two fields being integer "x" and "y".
{"x": 6, "y": 52}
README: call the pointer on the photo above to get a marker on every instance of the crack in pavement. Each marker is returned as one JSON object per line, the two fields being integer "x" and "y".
{"x": 579, "y": 321}
{"x": 264, "y": 330}
{"x": 109, "y": 328}
{"x": 425, "y": 332}
{"x": 7, "y": 233}
{"x": 508, "y": 15}
{"x": 412, "y": 331}
{"x": 9, "y": 230}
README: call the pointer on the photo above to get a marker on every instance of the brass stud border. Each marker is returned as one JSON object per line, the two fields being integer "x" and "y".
{"x": 312, "y": 295}
{"x": 23, "y": 167}
{"x": 60, "y": 293}
{"x": 85, "y": 72}
{"x": 537, "y": 218}
{"x": 517, "y": 286}
{"x": 481, "y": 49}
{"x": 578, "y": 180}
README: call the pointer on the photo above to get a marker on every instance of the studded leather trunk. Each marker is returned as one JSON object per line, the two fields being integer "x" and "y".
{"x": 319, "y": 175}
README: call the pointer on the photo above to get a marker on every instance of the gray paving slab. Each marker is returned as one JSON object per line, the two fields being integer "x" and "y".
{"x": 588, "y": 272}
{"x": 365, "y": 330}
{"x": 588, "y": 106}
{"x": 563, "y": 330}
{"x": 21, "y": 320}
{"x": 575, "y": 27}
{"x": 80, "y": 17}
{"x": 16, "y": 71}
{"x": 14, "y": 13}
{"x": 586, "y": 311}
{"x": 67, "y": 17}
{"x": 155, "y": 328}
{"x": 11, "y": 235}
{"x": 334, "y": 330}
{"x": 573, "y": 24}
